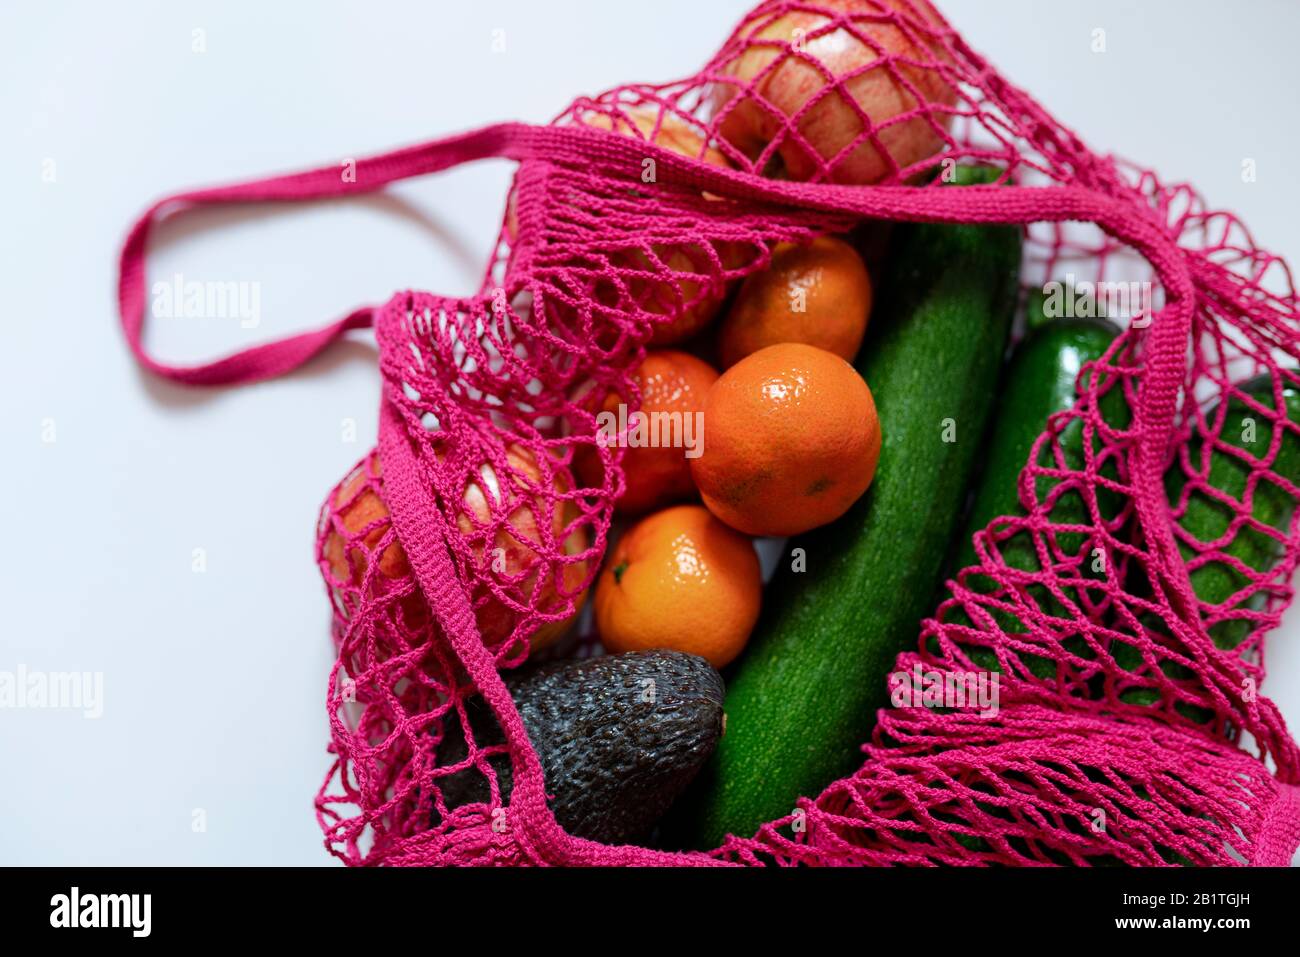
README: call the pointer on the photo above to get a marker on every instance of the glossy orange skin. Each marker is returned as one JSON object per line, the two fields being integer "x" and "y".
{"x": 833, "y": 123}
{"x": 817, "y": 293}
{"x": 670, "y": 382}
{"x": 791, "y": 440}
{"x": 682, "y": 580}
{"x": 496, "y": 621}
{"x": 659, "y": 298}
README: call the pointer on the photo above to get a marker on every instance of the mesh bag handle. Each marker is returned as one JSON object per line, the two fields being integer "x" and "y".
{"x": 275, "y": 358}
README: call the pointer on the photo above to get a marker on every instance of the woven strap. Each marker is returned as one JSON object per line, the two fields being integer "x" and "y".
{"x": 275, "y": 358}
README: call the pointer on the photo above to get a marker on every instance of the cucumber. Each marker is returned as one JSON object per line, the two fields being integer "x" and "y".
{"x": 1204, "y": 519}
{"x": 1207, "y": 520}
{"x": 1040, "y": 380}
{"x": 804, "y": 696}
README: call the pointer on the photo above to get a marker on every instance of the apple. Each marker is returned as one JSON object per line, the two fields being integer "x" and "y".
{"x": 358, "y": 504}
{"x": 786, "y": 63}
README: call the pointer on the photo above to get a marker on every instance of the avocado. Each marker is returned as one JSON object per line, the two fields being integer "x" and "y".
{"x": 619, "y": 738}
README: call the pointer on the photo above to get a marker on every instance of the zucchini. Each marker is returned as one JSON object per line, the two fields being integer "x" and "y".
{"x": 1203, "y": 519}
{"x": 1040, "y": 380}
{"x": 804, "y": 696}
{"x": 1207, "y": 520}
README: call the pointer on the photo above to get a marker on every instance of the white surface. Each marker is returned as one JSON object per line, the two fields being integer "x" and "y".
{"x": 214, "y": 683}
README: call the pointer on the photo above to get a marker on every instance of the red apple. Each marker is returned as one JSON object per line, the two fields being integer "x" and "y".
{"x": 866, "y": 78}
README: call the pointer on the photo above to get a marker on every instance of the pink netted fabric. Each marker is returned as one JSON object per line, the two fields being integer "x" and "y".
{"x": 1127, "y": 732}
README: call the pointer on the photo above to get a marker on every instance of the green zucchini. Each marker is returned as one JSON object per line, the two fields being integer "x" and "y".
{"x": 1207, "y": 520}
{"x": 804, "y": 697}
{"x": 1204, "y": 519}
{"x": 1040, "y": 380}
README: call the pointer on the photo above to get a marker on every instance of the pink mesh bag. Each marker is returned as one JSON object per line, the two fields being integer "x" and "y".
{"x": 487, "y": 397}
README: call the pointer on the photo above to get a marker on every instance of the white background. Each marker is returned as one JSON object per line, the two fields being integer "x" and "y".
{"x": 214, "y": 683}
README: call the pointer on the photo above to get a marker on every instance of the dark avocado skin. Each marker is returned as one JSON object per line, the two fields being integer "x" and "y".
{"x": 614, "y": 755}
{"x": 803, "y": 697}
